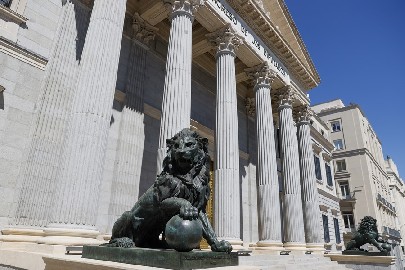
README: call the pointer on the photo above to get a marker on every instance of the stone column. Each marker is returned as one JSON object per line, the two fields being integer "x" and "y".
{"x": 227, "y": 188}
{"x": 310, "y": 200}
{"x": 76, "y": 198}
{"x": 268, "y": 186}
{"x": 127, "y": 169}
{"x": 50, "y": 124}
{"x": 176, "y": 104}
{"x": 294, "y": 236}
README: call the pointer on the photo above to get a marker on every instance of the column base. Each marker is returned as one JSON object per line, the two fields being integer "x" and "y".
{"x": 70, "y": 237}
{"x": 296, "y": 248}
{"x": 21, "y": 235}
{"x": 267, "y": 247}
{"x": 316, "y": 248}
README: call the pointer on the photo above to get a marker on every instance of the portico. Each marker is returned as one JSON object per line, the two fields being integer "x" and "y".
{"x": 191, "y": 63}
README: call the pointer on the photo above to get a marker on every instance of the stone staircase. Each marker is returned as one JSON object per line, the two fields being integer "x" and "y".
{"x": 290, "y": 262}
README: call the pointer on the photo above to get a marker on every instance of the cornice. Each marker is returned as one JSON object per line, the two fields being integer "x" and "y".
{"x": 253, "y": 15}
{"x": 328, "y": 195}
{"x": 12, "y": 15}
{"x": 321, "y": 139}
{"x": 22, "y": 54}
{"x": 357, "y": 152}
{"x": 298, "y": 36}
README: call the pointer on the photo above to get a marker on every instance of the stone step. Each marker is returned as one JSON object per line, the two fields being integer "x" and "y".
{"x": 287, "y": 258}
{"x": 290, "y": 262}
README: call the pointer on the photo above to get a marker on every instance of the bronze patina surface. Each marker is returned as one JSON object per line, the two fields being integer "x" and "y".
{"x": 182, "y": 188}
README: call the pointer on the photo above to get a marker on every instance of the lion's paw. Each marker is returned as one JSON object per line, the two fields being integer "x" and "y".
{"x": 123, "y": 242}
{"x": 188, "y": 212}
{"x": 221, "y": 246}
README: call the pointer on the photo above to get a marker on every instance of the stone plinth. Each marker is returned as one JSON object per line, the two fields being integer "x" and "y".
{"x": 168, "y": 259}
{"x": 365, "y": 253}
{"x": 369, "y": 261}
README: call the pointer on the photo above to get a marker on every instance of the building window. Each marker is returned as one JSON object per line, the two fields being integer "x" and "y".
{"x": 338, "y": 144}
{"x": 325, "y": 222}
{"x": 328, "y": 175}
{"x": 6, "y": 3}
{"x": 344, "y": 188}
{"x": 317, "y": 168}
{"x": 337, "y": 231}
{"x": 348, "y": 219}
{"x": 335, "y": 126}
{"x": 341, "y": 165}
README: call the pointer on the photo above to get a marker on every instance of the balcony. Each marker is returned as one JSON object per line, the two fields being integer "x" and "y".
{"x": 391, "y": 232}
{"x": 384, "y": 202}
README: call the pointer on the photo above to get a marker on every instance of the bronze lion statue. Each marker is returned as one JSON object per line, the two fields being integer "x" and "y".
{"x": 367, "y": 232}
{"x": 180, "y": 189}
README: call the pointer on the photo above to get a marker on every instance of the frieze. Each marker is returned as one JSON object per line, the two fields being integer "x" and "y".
{"x": 248, "y": 35}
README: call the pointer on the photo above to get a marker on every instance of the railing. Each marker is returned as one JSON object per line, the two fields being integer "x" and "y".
{"x": 346, "y": 197}
{"x": 386, "y": 203}
{"x": 394, "y": 233}
{"x": 391, "y": 232}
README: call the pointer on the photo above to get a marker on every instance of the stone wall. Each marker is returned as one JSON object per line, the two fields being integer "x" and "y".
{"x": 37, "y": 36}
{"x": 22, "y": 84}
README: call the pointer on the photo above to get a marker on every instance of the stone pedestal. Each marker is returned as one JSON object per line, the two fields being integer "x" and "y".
{"x": 168, "y": 259}
{"x": 227, "y": 194}
{"x": 364, "y": 262}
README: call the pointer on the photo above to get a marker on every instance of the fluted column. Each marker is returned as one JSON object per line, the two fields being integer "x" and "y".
{"x": 268, "y": 186}
{"x": 50, "y": 124}
{"x": 76, "y": 198}
{"x": 294, "y": 236}
{"x": 227, "y": 195}
{"x": 310, "y": 201}
{"x": 127, "y": 168}
{"x": 176, "y": 104}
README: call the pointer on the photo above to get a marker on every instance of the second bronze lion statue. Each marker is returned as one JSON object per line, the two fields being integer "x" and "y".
{"x": 367, "y": 233}
{"x": 181, "y": 188}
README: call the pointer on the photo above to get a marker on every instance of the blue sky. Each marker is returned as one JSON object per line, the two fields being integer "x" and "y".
{"x": 358, "y": 48}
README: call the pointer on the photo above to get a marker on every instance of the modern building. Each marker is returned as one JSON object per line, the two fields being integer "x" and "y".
{"x": 360, "y": 169}
{"x": 93, "y": 90}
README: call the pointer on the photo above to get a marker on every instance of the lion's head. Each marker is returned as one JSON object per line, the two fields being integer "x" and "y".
{"x": 187, "y": 150}
{"x": 368, "y": 225}
{"x": 185, "y": 170}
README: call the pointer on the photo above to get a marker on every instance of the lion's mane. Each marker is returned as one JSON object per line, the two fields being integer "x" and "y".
{"x": 367, "y": 224}
{"x": 196, "y": 190}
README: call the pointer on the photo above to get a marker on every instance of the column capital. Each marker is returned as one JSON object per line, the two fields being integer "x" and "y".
{"x": 226, "y": 40}
{"x": 143, "y": 32}
{"x": 303, "y": 115}
{"x": 261, "y": 75}
{"x": 183, "y": 7}
{"x": 287, "y": 97}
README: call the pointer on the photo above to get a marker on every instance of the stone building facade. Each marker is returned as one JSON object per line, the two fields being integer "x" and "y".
{"x": 397, "y": 196}
{"x": 363, "y": 182}
{"x": 93, "y": 90}
{"x": 331, "y": 217}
